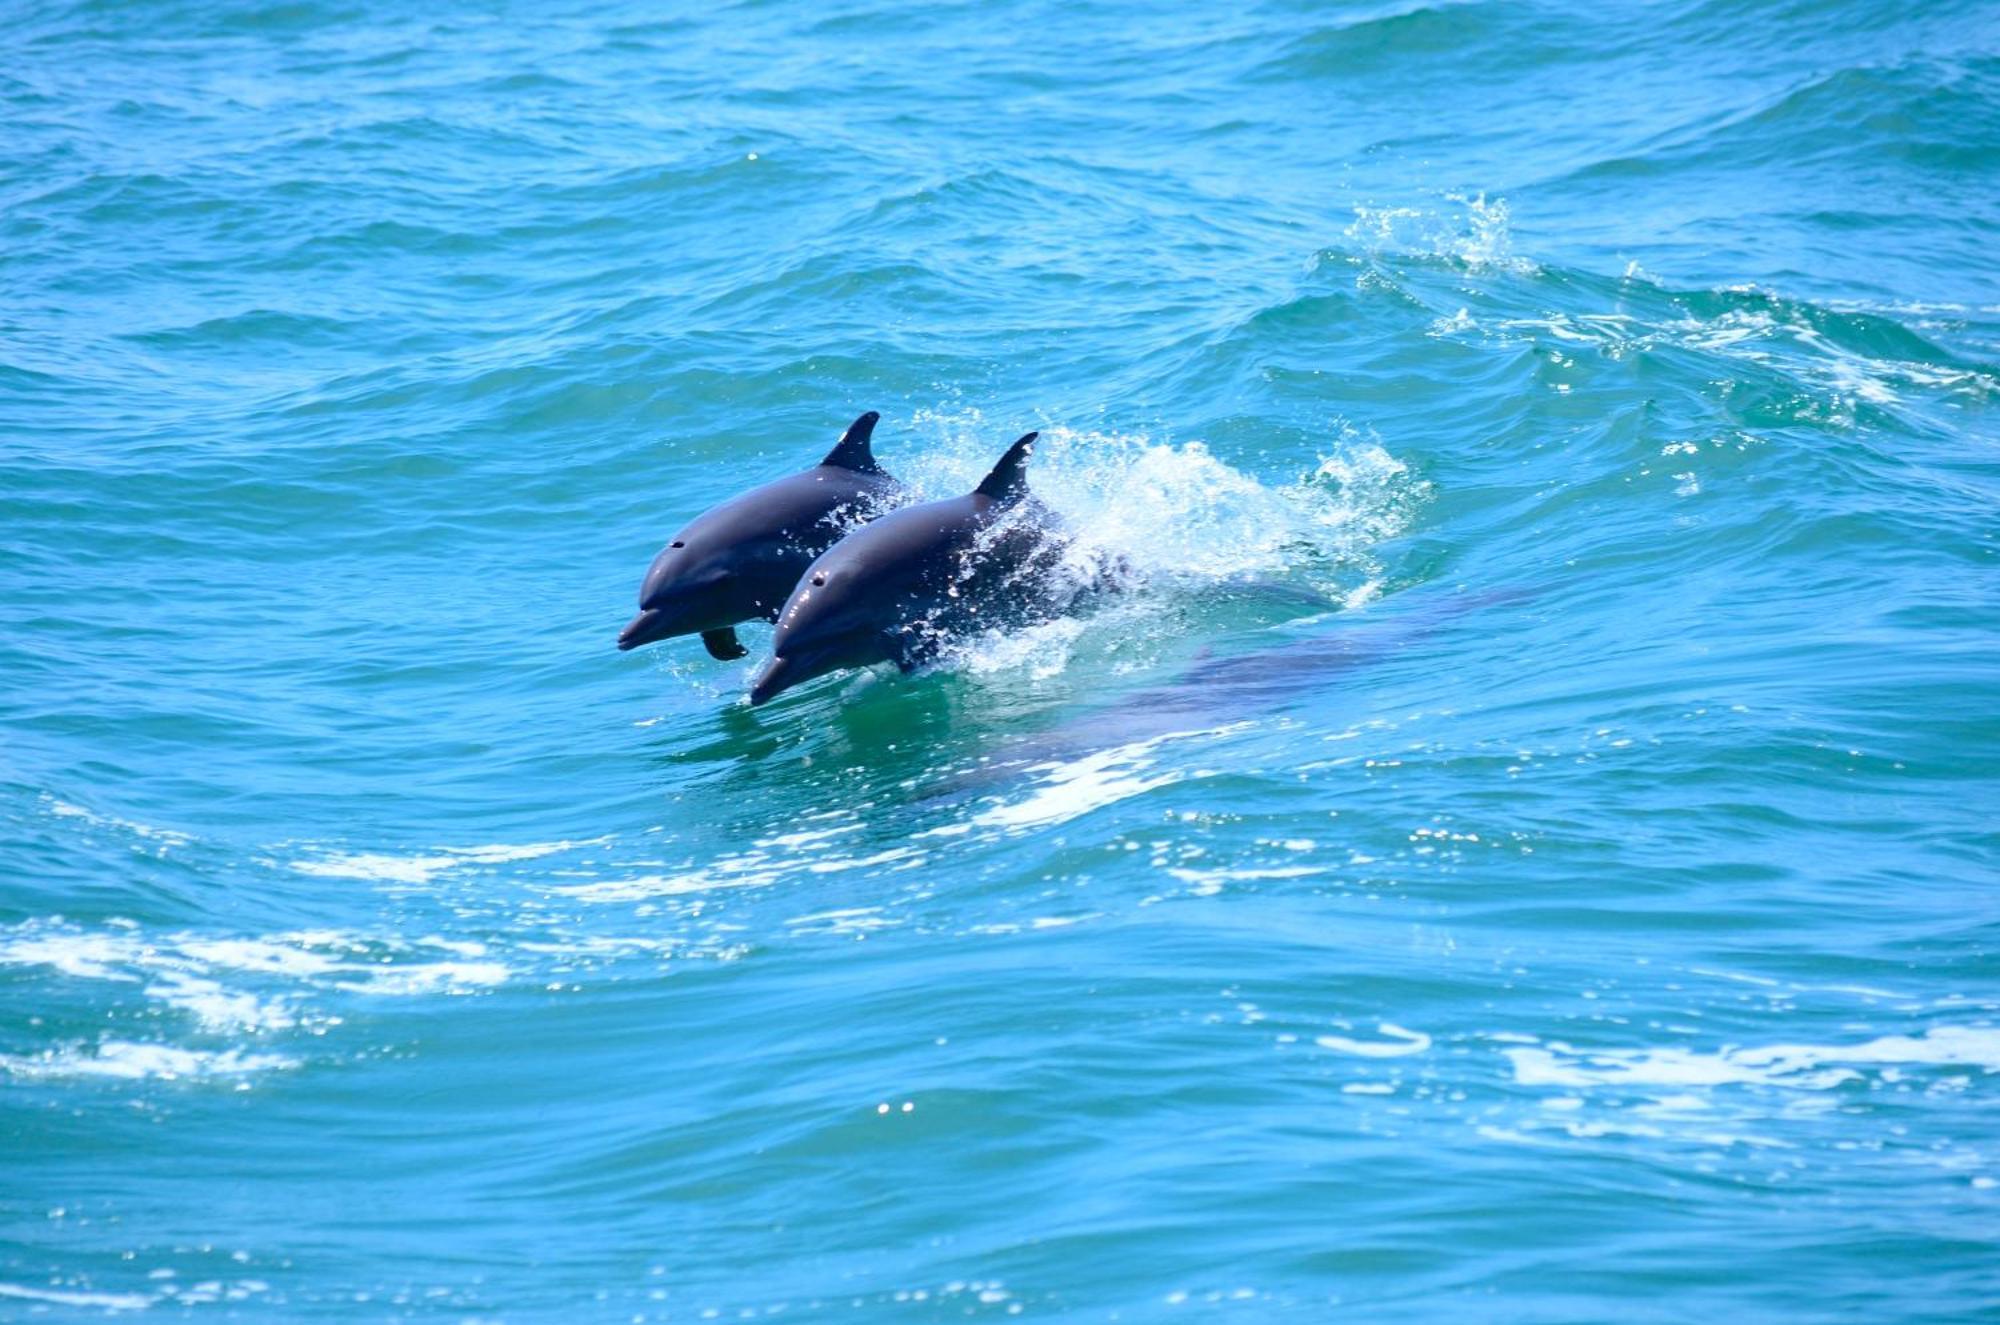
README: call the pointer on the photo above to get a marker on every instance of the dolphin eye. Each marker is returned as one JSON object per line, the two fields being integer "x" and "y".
{"x": 819, "y": 577}
{"x": 676, "y": 543}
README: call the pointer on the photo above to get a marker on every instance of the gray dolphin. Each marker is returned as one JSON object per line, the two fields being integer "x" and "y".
{"x": 737, "y": 561}
{"x": 896, "y": 589}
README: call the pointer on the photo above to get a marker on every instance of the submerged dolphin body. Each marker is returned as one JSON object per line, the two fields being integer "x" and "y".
{"x": 897, "y": 589}
{"x": 1215, "y": 691}
{"x": 736, "y": 562}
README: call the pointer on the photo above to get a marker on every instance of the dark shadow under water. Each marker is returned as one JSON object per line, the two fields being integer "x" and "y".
{"x": 1218, "y": 690}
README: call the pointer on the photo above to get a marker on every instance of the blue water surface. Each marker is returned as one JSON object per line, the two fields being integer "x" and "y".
{"x": 1526, "y": 847}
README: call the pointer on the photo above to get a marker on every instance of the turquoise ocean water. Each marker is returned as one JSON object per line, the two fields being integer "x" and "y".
{"x": 1525, "y": 850}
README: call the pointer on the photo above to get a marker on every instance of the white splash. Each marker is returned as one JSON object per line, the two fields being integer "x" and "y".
{"x": 1784, "y": 335}
{"x": 85, "y": 956}
{"x": 259, "y": 986}
{"x": 218, "y": 1009}
{"x": 1170, "y": 513}
{"x": 1396, "y": 1043}
{"x": 1074, "y": 788}
{"x": 184, "y": 970}
{"x": 166, "y": 837}
{"x": 112, "y": 1302}
{"x": 769, "y": 861}
{"x": 1789, "y": 1066}
{"x": 1473, "y": 231}
{"x": 423, "y": 868}
{"x": 299, "y": 955}
{"x": 431, "y": 978}
{"x": 130, "y": 1060}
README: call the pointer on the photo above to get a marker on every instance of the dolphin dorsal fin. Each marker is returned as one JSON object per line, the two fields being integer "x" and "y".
{"x": 1008, "y": 482}
{"x": 853, "y": 452}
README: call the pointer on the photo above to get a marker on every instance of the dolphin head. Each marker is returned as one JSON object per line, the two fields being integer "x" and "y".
{"x": 837, "y": 617}
{"x": 696, "y": 584}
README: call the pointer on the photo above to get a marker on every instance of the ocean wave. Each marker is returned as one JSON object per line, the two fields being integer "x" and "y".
{"x": 1529, "y": 786}
{"x": 1839, "y": 353}
{"x": 1380, "y": 42}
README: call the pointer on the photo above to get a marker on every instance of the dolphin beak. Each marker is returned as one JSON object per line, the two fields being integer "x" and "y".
{"x": 794, "y": 669}
{"x": 806, "y": 660}
{"x": 643, "y": 629}
{"x": 778, "y": 676}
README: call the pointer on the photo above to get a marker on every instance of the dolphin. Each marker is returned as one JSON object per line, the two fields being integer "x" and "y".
{"x": 897, "y": 589}
{"x": 737, "y": 561}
